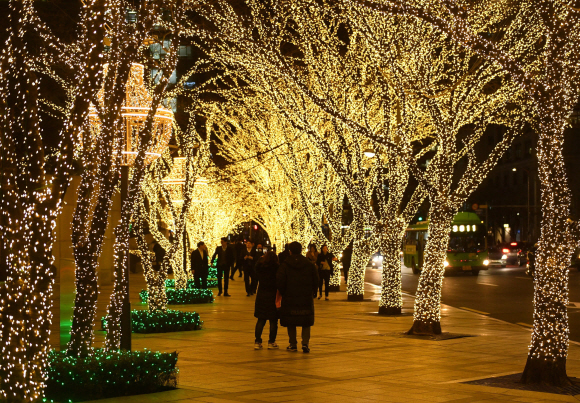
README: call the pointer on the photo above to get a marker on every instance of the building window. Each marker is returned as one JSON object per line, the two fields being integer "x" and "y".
{"x": 185, "y": 52}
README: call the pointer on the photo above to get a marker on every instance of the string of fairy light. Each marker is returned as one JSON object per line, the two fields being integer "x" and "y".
{"x": 320, "y": 86}
{"x": 31, "y": 199}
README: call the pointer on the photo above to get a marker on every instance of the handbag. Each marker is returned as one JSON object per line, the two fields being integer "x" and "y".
{"x": 278, "y": 299}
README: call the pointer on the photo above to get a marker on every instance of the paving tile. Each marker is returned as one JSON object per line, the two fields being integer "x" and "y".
{"x": 356, "y": 357}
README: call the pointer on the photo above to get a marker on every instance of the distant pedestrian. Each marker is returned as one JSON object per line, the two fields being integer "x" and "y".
{"x": 200, "y": 266}
{"x": 226, "y": 261}
{"x": 259, "y": 251}
{"x": 284, "y": 254}
{"x": 159, "y": 255}
{"x": 297, "y": 280}
{"x": 326, "y": 270}
{"x": 346, "y": 261}
{"x": 239, "y": 247}
{"x": 265, "y": 308}
{"x": 249, "y": 261}
{"x": 312, "y": 254}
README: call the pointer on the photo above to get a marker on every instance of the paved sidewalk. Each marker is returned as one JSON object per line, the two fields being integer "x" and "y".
{"x": 357, "y": 357}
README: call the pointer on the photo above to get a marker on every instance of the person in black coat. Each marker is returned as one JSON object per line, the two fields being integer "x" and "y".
{"x": 200, "y": 265}
{"x": 159, "y": 255}
{"x": 325, "y": 263}
{"x": 239, "y": 263}
{"x": 297, "y": 281}
{"x": 284, "y": 254}
{"x": 346, "y": 261}
{"x": 265, "y": 307}
{"x": 226, "y": 261}
{"x": 248, "y": 260}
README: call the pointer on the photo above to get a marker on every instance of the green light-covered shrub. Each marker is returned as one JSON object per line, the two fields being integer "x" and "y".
{"x": 109, "y": 374}
{"x": 143, "y": 321}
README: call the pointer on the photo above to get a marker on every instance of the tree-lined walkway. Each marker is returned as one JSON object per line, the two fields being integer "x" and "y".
{"x": 356, "y": 356}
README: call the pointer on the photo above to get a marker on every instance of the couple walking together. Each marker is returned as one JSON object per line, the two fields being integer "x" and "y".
{"x": 295, "y": 281}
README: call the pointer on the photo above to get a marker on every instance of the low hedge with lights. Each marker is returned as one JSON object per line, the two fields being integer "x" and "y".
{"x": 181, "y": 297}
{"x": 211, "y": 283}
{"x": 109, "y": 374}
{"x": 143, "y": 321}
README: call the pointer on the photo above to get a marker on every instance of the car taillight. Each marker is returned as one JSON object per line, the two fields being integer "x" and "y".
{"x": 505, "y": 250}
{"x": 514, "y": 244}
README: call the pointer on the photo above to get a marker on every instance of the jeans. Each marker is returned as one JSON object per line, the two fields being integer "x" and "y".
{"x": 223, "y": 272}
{"x": 260, "y": 328}
{"x": 324, "y": 278}
{"x": 305, "y": 335}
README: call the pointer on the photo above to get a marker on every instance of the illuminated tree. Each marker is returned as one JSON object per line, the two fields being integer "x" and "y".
{"x": 535, "y": 43}
{"x": 33, "y": 62}
{"x": 100, "y": 151}
{"x": 146, "y": 133}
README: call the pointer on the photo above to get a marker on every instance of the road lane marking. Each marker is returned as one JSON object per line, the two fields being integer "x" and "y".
{"x": 474, "y": 310}
{"x": 493, "y": 285}
{"x": 524, "y": 325}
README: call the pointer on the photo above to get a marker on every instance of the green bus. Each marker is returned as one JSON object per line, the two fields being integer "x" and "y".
{"x": 467, "y": 249}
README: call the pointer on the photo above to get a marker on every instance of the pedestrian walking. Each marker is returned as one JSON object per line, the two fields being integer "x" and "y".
{"x": 284, "y": 254}
{"x": 325, "y": 263}
{"x": 200, "y": 266}
{"x": 297, "y": 280}
{"x": 265, "y": 307}
{"x": 312, "y": 254}
{"x": 226, "y": 259}
{"x": 159, "y": 255}
{"x": 239, "y": 247}
{"x": 249, "y": 261}
{"x": 346, "y": 260}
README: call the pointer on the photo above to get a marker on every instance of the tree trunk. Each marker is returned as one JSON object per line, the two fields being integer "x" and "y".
{"x": 427, "y": 317}
{"x": 356, "y": 274}
{"x": 391, "y": 302}
{"x": 549, "y": 345}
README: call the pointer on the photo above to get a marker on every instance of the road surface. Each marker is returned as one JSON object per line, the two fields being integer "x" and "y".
{"x": 502, "y": 293}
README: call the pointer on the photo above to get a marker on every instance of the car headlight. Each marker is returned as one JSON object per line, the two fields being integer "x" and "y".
{"x": 445, "y": 263}
{"x": 504, "y": 257}
{"x": 486, "y": 262}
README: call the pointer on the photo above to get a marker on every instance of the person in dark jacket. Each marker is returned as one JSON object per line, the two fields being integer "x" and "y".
{"x": 248, "y": 263}
{"x": 265, "y": 308}
{"x": 226, "y": 261}
{"x": 297, "y": 281}
{"x": 239, "y": 263}
{"x": 159, "y": 255}
{"x": 325, "y": 263}
{"x": 284, "y": 254}
{"x": 200, "y": 265}
{"x": 346, "y": 260}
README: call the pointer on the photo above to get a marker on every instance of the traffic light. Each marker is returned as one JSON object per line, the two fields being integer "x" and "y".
{"x": 255, "y": 227}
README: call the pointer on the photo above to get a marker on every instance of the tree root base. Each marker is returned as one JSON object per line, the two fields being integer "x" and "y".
{"x": 425, "y": 329}
{"x": 356, "y": 297}
{"x": 389, "y": 310}
{"x": 546, "y": 372}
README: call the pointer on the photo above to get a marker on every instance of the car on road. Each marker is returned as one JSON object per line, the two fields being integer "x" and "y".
{"x": 512, "y": 251}
{"x": 496, "y": 257}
